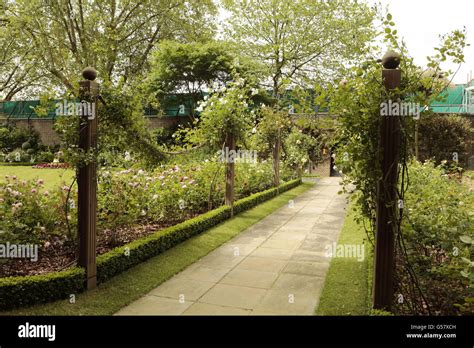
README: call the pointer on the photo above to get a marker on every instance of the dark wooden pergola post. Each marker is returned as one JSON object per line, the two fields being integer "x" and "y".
{"x": 389, "y": 144}
{"x": 276, "y": 160}
{"x": 87, "y": 181}
{"x": 230, "y": 173}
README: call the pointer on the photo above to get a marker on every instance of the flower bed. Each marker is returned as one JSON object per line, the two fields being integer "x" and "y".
{"x": 52, "y": 165}
{"x": 131, "y": 204}
{"x": 21, "y": 291}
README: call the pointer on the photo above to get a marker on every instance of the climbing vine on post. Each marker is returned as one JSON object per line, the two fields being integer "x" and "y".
{"x": 358, "y": 101}
{"x": 225, "y": 120}
{"x": 273, "y": 127}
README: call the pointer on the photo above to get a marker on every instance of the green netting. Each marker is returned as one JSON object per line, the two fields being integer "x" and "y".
{"x": 25, "y": 109}
{"x": 181, "y": 105}
{"x": 22, "y": 110}
{"x": 451, "y": 101}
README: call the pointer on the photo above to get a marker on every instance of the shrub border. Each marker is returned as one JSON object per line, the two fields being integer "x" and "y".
{"x": 29, "y": 290}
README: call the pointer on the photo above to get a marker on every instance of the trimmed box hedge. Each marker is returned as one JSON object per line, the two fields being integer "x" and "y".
{"x": 29, "y": 290}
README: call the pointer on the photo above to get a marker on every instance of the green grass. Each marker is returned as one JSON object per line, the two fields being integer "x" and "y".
{"x": 130, "y": 285}
{"x": 346, "y": 290}
{"x": 53, "y": 178}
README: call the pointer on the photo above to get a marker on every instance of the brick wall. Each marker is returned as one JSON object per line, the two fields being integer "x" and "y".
{"x": 43, "y": 126}
{"x": 49, "y": 137}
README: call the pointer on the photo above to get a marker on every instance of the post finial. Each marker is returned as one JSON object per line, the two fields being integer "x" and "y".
{"x": 89, "y": 73}
{"x": 391, "y": 60}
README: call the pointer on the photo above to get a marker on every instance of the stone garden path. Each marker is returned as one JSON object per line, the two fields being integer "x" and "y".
{"x": 277, "y": 266}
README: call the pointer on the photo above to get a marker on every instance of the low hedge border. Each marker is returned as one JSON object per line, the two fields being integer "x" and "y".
{"x": 29, "y": 290}
{"x": 17, "y": 164}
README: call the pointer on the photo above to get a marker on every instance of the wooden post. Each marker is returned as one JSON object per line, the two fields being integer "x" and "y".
{"x": 230, "y": 173}
{"x": 417, "y": 141}
{"x": 389, "y": 144}
{"x": 332, "y": 163}
{"x": 87, "y": 180}
{"x": 276, "y": 161}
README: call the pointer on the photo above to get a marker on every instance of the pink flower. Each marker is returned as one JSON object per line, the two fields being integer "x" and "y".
{"x": 33, "y": 191}
{"x": 46, "y": 193}
{"x": 65, "y": 188}
{"x": 47, "y": 244}
{"x": 14, "y": 177}
{"x": 16, "y": 206}
{"x": 40, "y": 182}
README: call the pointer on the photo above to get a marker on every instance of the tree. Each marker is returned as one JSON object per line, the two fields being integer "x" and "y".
{"x": 301, "y": 42}
{"x": 192, "y": 68}
{"x": 189, "y": 67}
{"x": 116, "y": 37}
{"x": 18, "y": 71}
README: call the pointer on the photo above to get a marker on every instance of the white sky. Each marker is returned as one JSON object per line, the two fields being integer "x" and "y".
{"x": 420, "y": 22}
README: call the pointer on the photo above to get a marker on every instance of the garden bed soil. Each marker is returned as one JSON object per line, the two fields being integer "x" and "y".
{"x": 56, "y": 255}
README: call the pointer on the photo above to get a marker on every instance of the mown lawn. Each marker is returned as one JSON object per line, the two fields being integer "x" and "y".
{"x": 130, "y": 285}
{"x": 52, "y": 177}
{"x": 346, "y": 290}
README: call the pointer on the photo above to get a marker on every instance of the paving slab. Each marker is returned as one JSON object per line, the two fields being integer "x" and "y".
{"x": 272, "y": 253}
{"x": 278, "y": 302}
{"x": 203, "y": 273}
{"x": 262, "y": 264}
{"x": 234, "y": 296}
{"x": 317, "y": 269}
{"x": 250, "y": 278}
{"x": 154, "y": 305}
{"x": 210, "y": 309}
{"x": 180, "y": 288}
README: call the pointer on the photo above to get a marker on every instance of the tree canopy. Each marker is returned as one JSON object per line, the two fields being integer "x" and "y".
{"x": 300, "y": 42}
{"x": 116, "y": 37}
